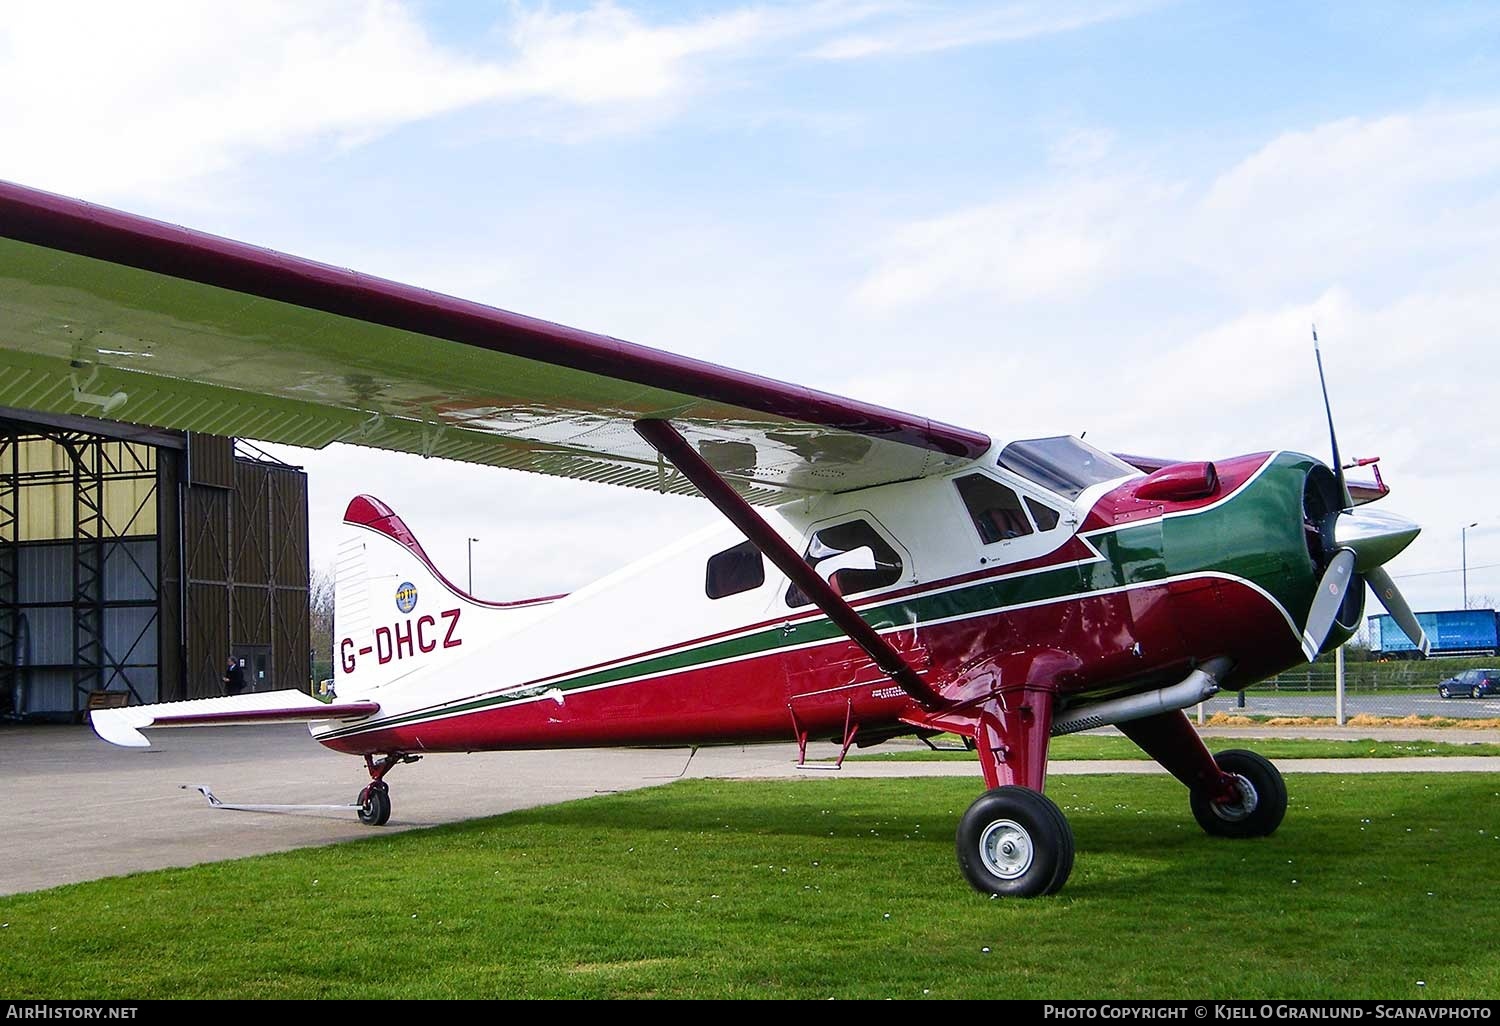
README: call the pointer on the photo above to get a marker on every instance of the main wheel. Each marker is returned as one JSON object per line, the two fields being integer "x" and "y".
{"x": 375, "y": 808}
{"x": 1014, "y": 842}
{"x": 1261, "y": 804}
{"x": 1443, "y": 691}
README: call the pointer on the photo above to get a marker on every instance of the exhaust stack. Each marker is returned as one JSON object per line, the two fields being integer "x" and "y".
{"x": 1198, "y": 686}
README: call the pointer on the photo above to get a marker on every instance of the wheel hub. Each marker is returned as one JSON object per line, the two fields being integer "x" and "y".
{"x": 1233, "y": 812}
{"x": 1005, "y": 848}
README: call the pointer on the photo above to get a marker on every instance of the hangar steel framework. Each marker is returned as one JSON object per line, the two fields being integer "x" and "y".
{"x": 133, "y": 561}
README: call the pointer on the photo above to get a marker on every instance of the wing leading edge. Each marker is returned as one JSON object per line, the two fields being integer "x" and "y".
{"x": 105, "y": 313}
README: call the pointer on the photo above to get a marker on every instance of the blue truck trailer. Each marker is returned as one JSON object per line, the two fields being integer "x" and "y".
{"x": 1451, "y": 631}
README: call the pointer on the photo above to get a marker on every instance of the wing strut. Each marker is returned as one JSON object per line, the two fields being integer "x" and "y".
{"x": 666, "y": 440}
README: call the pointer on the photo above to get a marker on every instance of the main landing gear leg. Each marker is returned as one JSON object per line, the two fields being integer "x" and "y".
{"x": 1013, "y": 841}
{"x": 375, "y": 800}
{"x": 1233, "y": 794}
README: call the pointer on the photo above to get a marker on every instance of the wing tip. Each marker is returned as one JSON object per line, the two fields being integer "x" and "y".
{"x": 116, "y": 727}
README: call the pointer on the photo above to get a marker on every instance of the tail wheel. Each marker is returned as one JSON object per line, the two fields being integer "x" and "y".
{"x": 1260, "y": 805}
{"x": 1014, "y": 842}
{"x": 375, "y": 804}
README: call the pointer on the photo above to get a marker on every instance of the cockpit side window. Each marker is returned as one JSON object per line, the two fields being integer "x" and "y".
{"x": 732, "y": 571}
{"x": 995, "y": 509}
{"x": 1045, "y": 516}
{"x": 852, "y": 557}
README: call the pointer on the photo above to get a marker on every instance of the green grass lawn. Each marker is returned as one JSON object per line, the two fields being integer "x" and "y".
{"x": 821, "y": 888}
{"x": 1104, "y": 746}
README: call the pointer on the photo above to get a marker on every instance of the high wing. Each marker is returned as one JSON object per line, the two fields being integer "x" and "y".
{"x": 107, "y": 314}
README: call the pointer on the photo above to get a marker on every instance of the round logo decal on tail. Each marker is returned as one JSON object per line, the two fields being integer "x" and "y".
{"x": 406, "y": 597}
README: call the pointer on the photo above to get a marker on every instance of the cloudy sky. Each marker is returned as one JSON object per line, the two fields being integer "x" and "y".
{"x": 1027, "y": 217}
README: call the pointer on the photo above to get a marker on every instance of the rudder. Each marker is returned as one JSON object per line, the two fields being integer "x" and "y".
{"x": 394, "y": 612}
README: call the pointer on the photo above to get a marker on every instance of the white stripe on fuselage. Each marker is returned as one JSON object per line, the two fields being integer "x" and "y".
{"x": 539, "y": 689}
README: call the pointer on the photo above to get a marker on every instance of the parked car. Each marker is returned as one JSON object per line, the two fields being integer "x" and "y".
{"x": 1471, "y": 683}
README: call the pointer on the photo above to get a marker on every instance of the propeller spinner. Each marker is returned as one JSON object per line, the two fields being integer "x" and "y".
{"x": 1357, "y": 545}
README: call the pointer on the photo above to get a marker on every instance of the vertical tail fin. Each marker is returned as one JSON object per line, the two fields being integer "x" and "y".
{"x": 394, "y": 612}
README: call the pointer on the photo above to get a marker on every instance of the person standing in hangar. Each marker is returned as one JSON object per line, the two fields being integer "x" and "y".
{"x": 234, "y": 677}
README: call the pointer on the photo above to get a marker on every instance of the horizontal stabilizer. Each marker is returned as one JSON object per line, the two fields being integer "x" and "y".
{"x": 123, "y": 726}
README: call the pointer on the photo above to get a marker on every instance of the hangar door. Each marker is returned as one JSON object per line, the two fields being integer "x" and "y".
{"x": 79, "y": 570}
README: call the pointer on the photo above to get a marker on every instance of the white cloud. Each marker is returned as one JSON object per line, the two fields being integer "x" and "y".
{"x": 117, "y": 96}
{"x": 1081, "y": 148}
{"x": 942, "y": 28}
{"x": 607, "y": 55}
{"x": 113, "y": 98}
{"x": 1037, "y": 246}
{"x": 108, "y": 99}
{"x": 1352, "y": 197}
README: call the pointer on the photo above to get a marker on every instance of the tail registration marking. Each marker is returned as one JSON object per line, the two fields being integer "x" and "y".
{"x": 404, "y": 640}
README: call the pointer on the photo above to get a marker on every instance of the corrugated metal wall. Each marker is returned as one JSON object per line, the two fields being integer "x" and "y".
{"x": 208, "y": 465}
{"x": 193, "y": 553}
{"x": 245, "y": 531}
{"x": 291, "y": 643}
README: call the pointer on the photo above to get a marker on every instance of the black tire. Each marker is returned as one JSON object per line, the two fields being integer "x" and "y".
{"x": 1443, "y": 691}
{"x": 1263, "y": 798}
{"x": 1474, "y": 691}
{"x": 1015, "y": 843}
{"x": 375, "y": 806}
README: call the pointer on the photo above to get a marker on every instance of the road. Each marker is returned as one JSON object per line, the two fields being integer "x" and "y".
{"x": 1396, "y": 704}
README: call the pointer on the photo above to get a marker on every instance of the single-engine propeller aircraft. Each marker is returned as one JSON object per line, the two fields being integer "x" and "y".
{"x": 880, "y": 574}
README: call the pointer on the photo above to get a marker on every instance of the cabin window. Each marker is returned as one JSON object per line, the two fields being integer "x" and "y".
{"x": 732, "y": 571}
{"x": 995, "y": 509}
{"x": 1045, "y": 516}
{"x": 852, "y": 557}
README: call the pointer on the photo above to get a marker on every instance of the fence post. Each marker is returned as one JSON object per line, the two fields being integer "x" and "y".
{"x": 1338, "y": 690}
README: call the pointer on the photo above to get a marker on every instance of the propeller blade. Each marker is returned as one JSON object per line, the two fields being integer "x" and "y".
{"x": 1325, "y": 608}
{"x": 1390, "y": 596}
{"x": 1333, "y": 438}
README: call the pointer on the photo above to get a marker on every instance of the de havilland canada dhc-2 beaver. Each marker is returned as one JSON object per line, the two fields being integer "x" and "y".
{"x": 880, "y": 575}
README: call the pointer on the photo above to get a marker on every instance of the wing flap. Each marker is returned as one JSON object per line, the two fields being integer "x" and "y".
{"x": 123, "y": 726}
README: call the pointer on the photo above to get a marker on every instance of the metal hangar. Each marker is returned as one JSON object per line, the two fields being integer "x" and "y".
{"x": 134, "y": 562}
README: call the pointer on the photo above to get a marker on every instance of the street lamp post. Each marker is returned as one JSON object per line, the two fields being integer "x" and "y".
{"x": 471, "y": 564}
{"x": 1464, "y": 536}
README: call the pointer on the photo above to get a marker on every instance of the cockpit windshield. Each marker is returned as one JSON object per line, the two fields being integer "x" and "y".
{"x": 1065, "y": 465}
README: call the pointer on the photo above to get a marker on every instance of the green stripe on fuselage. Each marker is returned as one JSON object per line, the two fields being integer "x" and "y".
{"x": 1256, "y": 534}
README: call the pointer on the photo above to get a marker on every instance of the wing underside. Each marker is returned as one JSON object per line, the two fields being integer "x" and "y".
{"x": 109, "y": 315}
